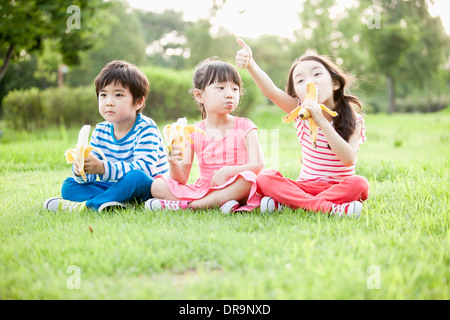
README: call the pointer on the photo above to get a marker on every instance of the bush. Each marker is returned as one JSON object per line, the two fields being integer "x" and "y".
{"x": 33, "y": 109}
{"x": 22, "y": 109}
{"x": 423, "y": 104}
{"x": 169, "y": 97}
{"x": 70, "y": 106}
{"x": 168, "y": 100}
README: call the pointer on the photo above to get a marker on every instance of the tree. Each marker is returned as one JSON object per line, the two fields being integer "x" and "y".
{"x": 317, "y": 32}
{"x": 24, "y": 25}
{"x": 120, "y": 36}
{"x": 164, "y": 34}
{"x": 407, "y": 45}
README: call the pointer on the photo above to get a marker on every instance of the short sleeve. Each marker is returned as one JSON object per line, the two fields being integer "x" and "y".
{"x": 245, "y": 125}
{"x": 197, "y": 138}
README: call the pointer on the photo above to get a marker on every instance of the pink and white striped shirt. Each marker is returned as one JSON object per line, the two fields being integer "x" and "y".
{"x": 321, "y": 164}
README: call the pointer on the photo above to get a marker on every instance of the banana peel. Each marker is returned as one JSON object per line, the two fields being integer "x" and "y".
{"x": 82, "y": 150}
{"x": 311, "y": 94}
{"x": 178, "y": 133}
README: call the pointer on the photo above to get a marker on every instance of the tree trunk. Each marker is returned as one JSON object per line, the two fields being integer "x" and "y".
{"x": 391, "y": 94}
{"x": 60, "y": 76}
{"x": 6, "y": 61}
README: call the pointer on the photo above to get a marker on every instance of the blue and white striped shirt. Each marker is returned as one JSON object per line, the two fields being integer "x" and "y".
{"x": 142, "y": 149}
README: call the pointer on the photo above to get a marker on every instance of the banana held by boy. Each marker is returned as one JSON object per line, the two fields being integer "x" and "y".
{"x": 82, "y": 150}
{"x": 178, "y": 132}
{"x": 311, "y": 94}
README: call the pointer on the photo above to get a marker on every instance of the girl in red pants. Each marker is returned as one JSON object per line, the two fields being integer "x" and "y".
{"x": 327, "y": 180}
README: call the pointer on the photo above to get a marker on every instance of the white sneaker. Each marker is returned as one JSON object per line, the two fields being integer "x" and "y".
{"x": 153, "y": 204}
{"x": 110, "y": 206}
{"x": 158, "y": 204}
{"x": 55, "y": 204}
{"x": 229, "y": 206}
{"x": 269, "y": 205}
{"x": 350, "y": 209}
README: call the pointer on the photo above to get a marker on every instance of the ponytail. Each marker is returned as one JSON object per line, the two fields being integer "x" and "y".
{"x": 345, "y": 122}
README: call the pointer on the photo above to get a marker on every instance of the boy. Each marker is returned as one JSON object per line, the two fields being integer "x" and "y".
{"x": 130, "y": 141}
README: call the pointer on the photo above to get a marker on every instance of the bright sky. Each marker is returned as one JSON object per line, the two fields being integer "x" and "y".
{"x": 253, "y": 18}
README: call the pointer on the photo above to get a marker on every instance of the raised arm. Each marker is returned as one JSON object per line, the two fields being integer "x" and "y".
{"x": 244, "y": 59}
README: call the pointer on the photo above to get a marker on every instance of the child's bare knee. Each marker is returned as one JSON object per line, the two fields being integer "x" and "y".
{"x": 242, "y": 185}
{"x": 158, "y": 187}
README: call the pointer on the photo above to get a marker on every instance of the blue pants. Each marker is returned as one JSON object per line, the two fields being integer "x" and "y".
{"x": 133, "y": 186}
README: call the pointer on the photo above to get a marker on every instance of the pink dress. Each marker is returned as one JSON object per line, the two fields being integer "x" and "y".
{"x": 215, "y": 154}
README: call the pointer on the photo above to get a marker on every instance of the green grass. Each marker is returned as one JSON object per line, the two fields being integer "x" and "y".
{"x": 403, "y": 233}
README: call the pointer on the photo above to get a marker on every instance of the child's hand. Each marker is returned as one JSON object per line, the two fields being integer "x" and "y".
{"x": 93, "y": 165}
{"x": 220, "y": 176}
{"x": 177, "y": 153}
{"x": 76, "y": 171}
{"x": 315, "y": 110}
{"x": 244, "y": 55}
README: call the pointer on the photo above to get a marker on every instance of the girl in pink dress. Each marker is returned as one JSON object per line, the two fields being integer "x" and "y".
{"x": 229, "y": 154}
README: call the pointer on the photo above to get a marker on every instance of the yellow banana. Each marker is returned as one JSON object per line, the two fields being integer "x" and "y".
{"x": 82, "y": 150}
{"x": 178, "y": 132}
{"x": 311, "y": 94}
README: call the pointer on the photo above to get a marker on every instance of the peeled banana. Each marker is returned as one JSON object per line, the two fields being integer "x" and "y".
{"x": 178, "y": 132}
{"x": 311, "y": 94}
{"x": 82, "y": 150}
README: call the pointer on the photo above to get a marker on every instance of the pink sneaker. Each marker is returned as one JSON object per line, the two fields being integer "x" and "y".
{"x": 350, "y": 209}
{"x": 158, "y": 204}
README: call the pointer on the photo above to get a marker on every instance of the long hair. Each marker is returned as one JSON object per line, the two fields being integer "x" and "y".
{"x": 210, "y": 71}
{"x": 345, "y": 105}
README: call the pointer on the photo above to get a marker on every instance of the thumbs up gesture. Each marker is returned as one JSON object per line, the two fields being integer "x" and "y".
{"x": 244, "y": 55}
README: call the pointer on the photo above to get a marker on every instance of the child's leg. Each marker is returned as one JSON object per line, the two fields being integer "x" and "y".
{"x": 160, "y": 190}
{"x": 74, "y": 191}
{"x": 135, "y": 185}
{"x": 238, "y": 190}
{"x": 355, "y": 188}
{"x": 291, "y": 193}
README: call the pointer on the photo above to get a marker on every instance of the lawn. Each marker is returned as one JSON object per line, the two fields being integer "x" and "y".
{"x": 398, "y": 248}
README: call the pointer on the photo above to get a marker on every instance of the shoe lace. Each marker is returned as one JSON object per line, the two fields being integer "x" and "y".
{"x": 171, "y": 205}
{"x": 340, "y": 209}
{"x": 65, "y": 204}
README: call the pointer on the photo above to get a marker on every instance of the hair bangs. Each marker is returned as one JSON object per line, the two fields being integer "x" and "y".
{"x": 112, "y": 76}
{"x": 127, "y": 75}
{"x": 218, "y": 71}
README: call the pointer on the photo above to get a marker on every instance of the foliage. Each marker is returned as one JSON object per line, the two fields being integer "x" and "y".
{"x": 407, "y": 43}
{"x": 168, "y": 98}
{"x": 165, "y": 35}
{"x": 394, "y": 47}
{"x": 35, "y": 109}
{"x": 26, "y": 24}
{"x": 24, "y": 109}
{"x": 121, "y": 36}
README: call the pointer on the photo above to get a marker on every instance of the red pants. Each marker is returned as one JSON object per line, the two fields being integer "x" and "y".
{"x": 313, "y": 196}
